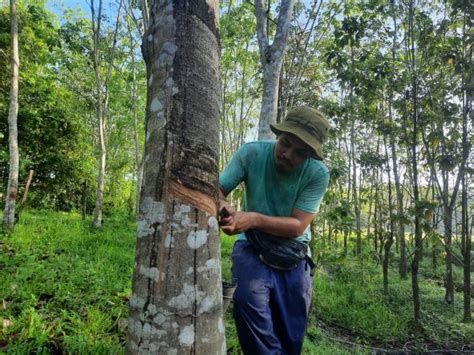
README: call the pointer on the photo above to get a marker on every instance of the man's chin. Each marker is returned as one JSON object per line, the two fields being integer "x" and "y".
{"x": 282, "y": 167}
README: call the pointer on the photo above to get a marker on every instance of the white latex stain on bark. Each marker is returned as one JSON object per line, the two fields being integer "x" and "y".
{"x": 197, "y": 239}
{"x": 186, "y": 336}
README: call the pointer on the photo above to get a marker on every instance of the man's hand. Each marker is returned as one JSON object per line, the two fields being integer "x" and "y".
{"x": 233, "y": 222}
{"x": 238, "y": 222}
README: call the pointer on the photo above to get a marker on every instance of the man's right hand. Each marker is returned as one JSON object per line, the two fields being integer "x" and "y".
{"x": 226, "y": 212}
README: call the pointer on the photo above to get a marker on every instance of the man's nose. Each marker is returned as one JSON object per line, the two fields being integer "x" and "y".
{"x": 287, "y": 154}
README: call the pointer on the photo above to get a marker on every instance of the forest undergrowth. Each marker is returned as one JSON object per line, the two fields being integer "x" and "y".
{"x": 64, "y": 288}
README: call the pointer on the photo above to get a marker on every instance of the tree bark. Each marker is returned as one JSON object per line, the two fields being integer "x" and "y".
{"x": 12, "y": 187}
{"x": 176, "y": 302}
{"x": 402, "y": 268}
{"x": 465, "y": 237}
{"x": 418, "y": 237}
{"x": 84, "y": 199}
{"x": 271, "y": 58}
{"x": 355, "y": 195}
{"x": 102, "y": 101}
{"x": 389, "y": 240}
{"x": 138, "y": 151}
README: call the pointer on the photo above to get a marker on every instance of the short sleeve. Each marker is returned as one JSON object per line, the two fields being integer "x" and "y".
{"x": 309, "y": 199}
{"x": 235, "y": 172}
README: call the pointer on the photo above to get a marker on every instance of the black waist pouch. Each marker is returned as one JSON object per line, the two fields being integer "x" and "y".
{"x": 279, "y": 253}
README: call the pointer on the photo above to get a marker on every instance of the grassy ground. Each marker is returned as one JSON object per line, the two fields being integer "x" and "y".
{"x": 64, "y": 287}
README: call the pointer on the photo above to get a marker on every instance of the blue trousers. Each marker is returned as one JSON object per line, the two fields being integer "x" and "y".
{"x": 271, "y": 306}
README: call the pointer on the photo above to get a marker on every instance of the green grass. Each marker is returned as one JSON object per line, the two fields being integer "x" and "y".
{"x": 64, "y": 287}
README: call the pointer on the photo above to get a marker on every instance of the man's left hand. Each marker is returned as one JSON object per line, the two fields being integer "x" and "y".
{"x": 238, "y": 222}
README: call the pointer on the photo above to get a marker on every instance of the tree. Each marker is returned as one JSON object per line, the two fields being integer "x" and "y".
{"x": 176, "y": 302}
{"x": 102, "y": 98}
{"x": 52, "y": 129}
{"x": 271, "y": 58}
{"x": 12, "y": 189}
{"x": 414, "y": 164}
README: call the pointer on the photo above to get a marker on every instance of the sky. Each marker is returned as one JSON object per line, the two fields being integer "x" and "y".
{"x": 56, "y": 5}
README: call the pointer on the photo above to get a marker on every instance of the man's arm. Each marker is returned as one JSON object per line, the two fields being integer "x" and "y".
{"x": 286, "y": 227}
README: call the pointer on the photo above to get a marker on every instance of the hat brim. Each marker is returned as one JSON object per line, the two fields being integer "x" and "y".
{"x": 299, "y": 132}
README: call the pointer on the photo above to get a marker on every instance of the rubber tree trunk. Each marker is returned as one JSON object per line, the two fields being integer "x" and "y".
{"x": 466, "y": 237}
{"x": 12, "y": 187}
{"x": 102, "y": 98}
{"x": 355, "y": 195}
{"x": 134, "y": 98}
{"x": 100, "y": 112}
{"x": 176, "y": 302}
{"x": 390, "y": 237}
{"x": 448, "y": 233}
{"x": 99, "y": 198}
{"x": 271, "y": 58}
{"x": 402, "y": 267}
{"x": 418, "y": 232}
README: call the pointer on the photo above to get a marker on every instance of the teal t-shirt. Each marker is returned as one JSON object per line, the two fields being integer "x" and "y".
{"x": 271, "y": 192}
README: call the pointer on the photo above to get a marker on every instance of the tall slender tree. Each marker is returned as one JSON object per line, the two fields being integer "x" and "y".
{"x": 12, "y": 188}
{"x": 414, "y": 164}
{"x": 467, "y": 107}
{"x": 102, "y": 78}
{"x": 271, "y": 58}
{"x": 176, "y": 303}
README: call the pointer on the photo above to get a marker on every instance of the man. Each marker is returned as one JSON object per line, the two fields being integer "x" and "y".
{"x": 285, "y": 181}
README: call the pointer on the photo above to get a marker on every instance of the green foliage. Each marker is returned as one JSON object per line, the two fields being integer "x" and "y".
{"x": 51, "y": 125}
{"x": 56, "y": 120}
{"x": 349, "y": 292}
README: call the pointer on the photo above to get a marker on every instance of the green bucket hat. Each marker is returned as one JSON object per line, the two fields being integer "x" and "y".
{"x": 308, "y": 124}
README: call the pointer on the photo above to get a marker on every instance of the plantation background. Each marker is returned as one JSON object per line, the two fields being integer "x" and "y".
{"x": 66, "y": 286}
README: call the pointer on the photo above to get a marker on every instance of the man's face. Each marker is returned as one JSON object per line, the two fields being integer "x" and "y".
{"x": 290, "y": 152}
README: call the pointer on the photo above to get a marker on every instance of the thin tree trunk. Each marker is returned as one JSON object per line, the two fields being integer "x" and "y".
{"x": 27, "y": 187}
{"x": 102, "y": 101}
{"x": 448, "y": 224}
{"x": 434, "y": 256}
{"x": 402, "y": 269}
{"x": 138, "y": 160}
{"x": 271, "y": 58}
{"x": 96, "y": 26}
{"x": 84, "y": 199}
{"x": 369, "y": 213}
{"x": 418, "y": 236}
{"x": 12, "y": 187}
{"x": 176, "y": 302}
{"x": 355, "y": 196}
{"x": 389, "y": 241}
{"x": 466, "y": 238}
